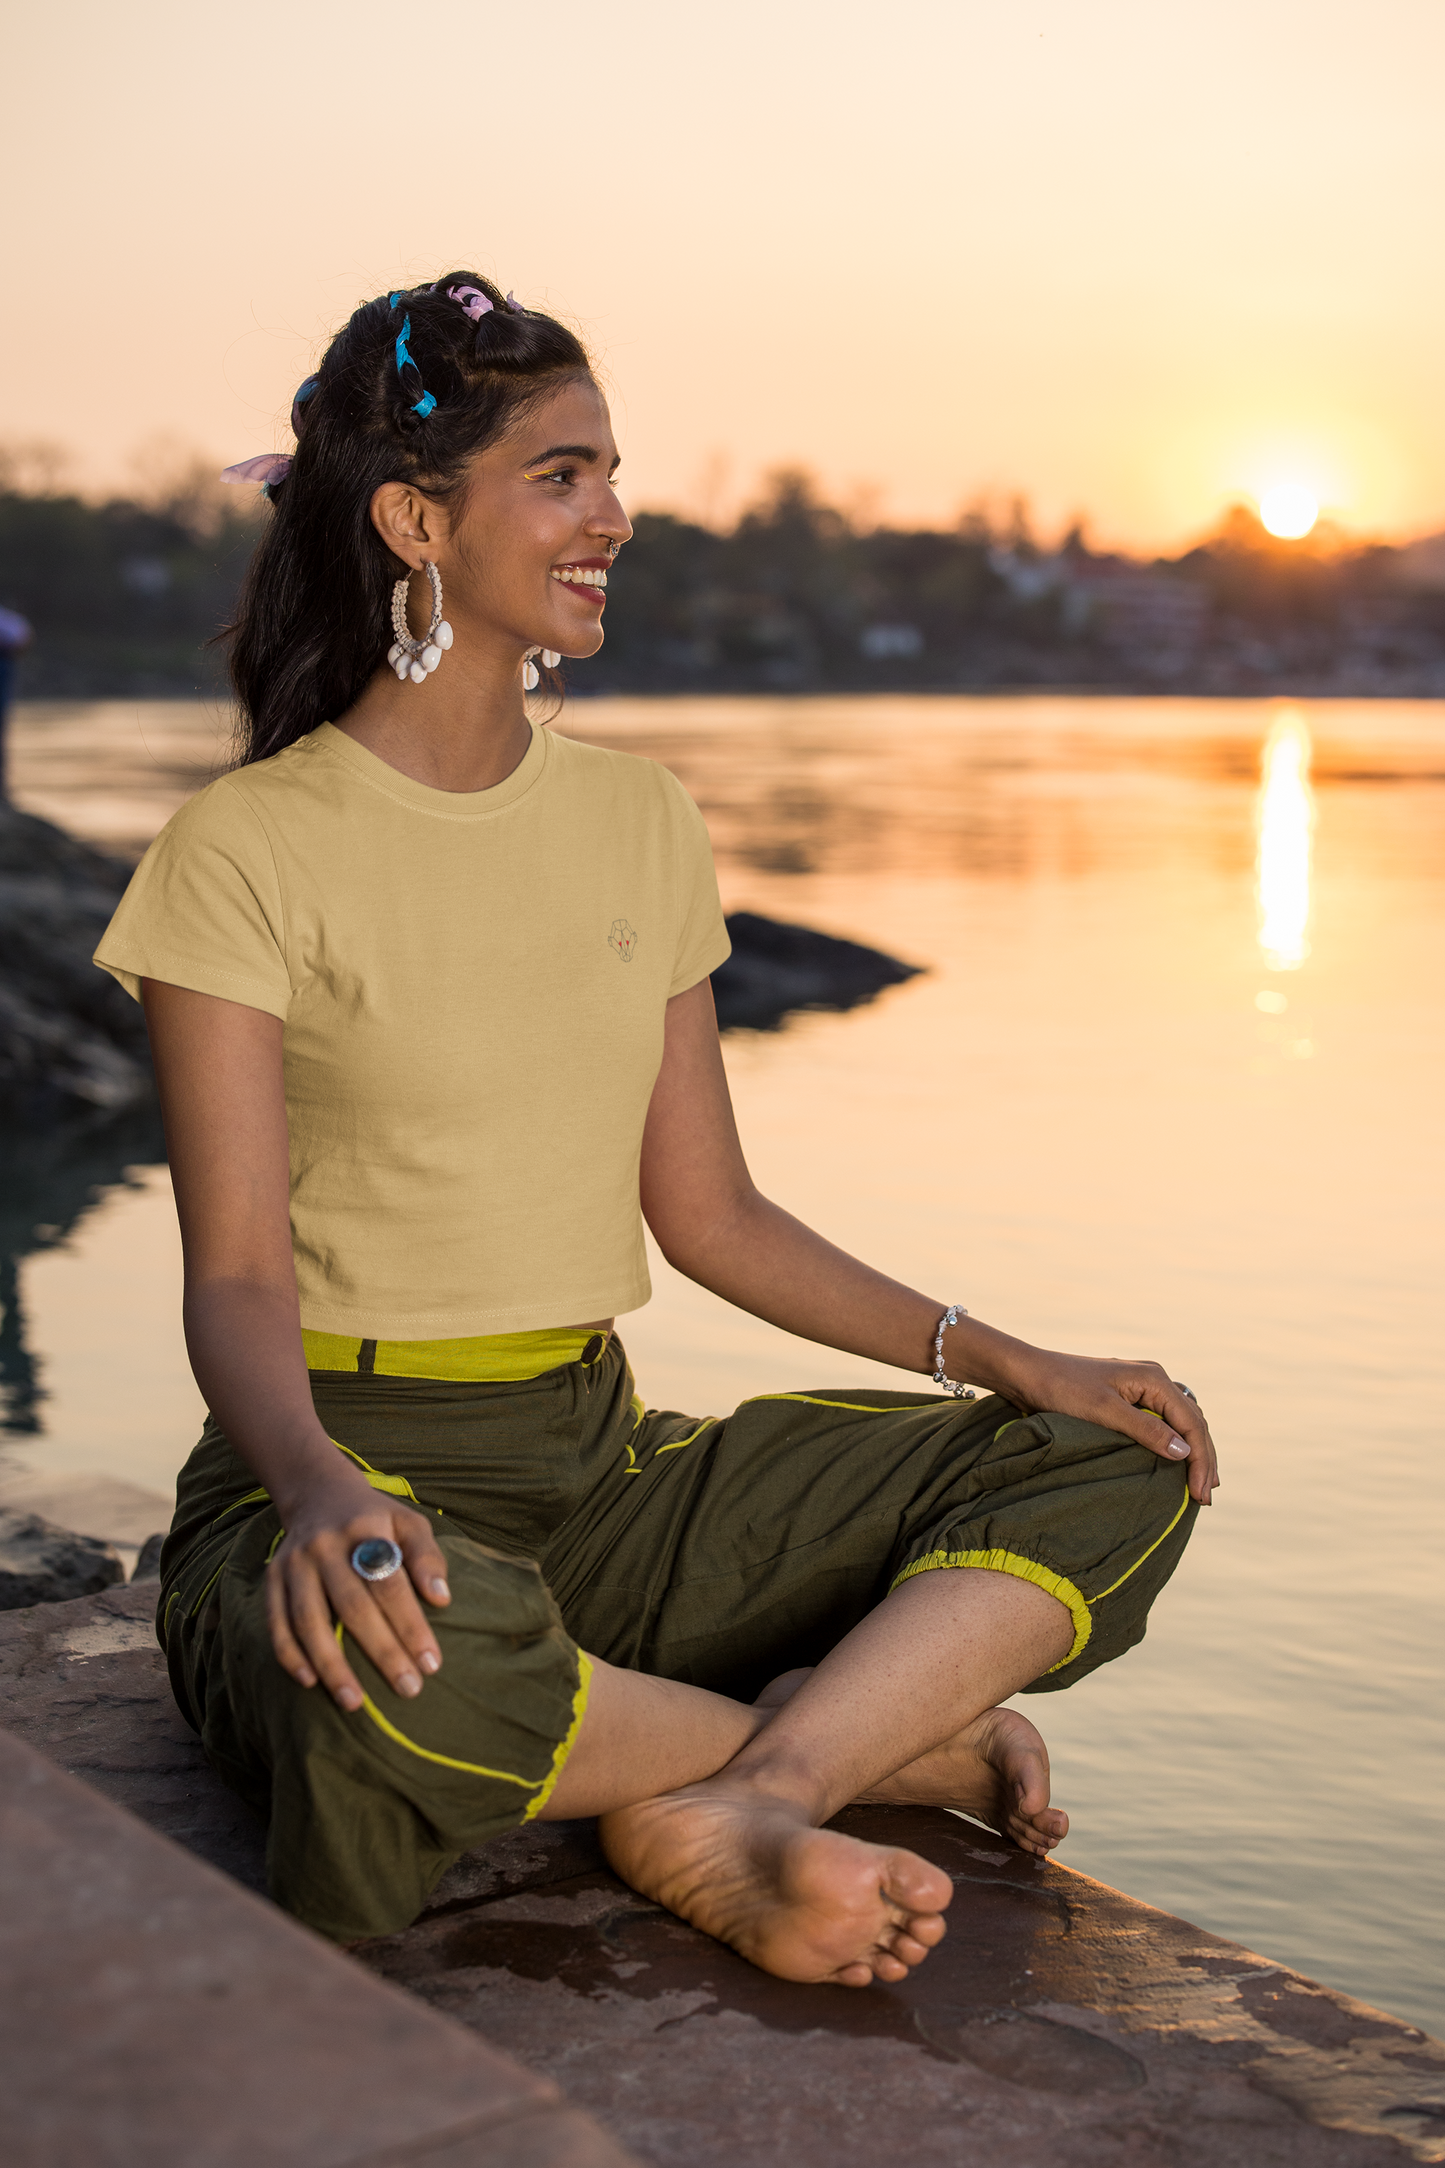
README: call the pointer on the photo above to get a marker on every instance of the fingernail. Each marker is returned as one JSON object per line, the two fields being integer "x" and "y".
{"x": 1179, "y": 1449}
{"x": 440, "y": 1590}
{"x": 349, "y": 1698}
{"x": 407, "y": 1682}
{"x": 428, "y": 1662}
{"x": 306, "y": 1676}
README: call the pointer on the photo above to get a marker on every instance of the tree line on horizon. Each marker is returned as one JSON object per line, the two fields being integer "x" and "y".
{"x": 126, "y": 598}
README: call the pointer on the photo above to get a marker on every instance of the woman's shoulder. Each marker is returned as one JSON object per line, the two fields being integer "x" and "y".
{"x": 239, "y": 797}
{"x": 236, "y": 814}
{"x": 631, "y": 777}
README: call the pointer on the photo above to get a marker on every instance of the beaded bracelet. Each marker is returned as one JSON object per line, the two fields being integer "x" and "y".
{"x": 950, "y": 1316}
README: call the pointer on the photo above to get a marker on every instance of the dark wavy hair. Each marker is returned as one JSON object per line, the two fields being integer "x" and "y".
{"x": 312, "y": 622}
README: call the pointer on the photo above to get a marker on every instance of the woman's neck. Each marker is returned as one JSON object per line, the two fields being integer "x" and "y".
{"x": 464, "y": 729}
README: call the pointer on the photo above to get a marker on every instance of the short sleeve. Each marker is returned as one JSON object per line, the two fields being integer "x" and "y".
{"x": 204, "y": 908}
{"x": 702, "y": 935}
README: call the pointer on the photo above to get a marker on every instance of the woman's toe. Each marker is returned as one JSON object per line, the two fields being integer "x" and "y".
{"x": 914, "y": 1886}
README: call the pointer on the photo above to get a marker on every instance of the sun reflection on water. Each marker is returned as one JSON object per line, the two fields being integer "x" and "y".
{"x": 1286, "y": 818}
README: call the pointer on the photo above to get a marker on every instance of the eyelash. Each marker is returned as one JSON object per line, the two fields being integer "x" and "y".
{"x": 567, "y": 476}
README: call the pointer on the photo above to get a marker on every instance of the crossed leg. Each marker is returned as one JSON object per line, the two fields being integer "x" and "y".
{"x": 715, "y": 1809}
{"x": 996, "y": 1769}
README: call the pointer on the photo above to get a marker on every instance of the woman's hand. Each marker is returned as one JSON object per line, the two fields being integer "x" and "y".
{"x": 311, "y": 1582}
{"x": 1137, "y": 1398}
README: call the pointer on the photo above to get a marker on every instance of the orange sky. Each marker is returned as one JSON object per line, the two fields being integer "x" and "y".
{"x": 1131, "y": 257}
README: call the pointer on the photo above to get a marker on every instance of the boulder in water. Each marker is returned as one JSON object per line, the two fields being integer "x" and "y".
{"x": 776, "y": 968}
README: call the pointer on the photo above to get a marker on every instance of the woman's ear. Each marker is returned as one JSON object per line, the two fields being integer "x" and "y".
{"x": 408, "y": 523}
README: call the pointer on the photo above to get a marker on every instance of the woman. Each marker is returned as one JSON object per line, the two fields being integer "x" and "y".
{"x": 428, "y": 993}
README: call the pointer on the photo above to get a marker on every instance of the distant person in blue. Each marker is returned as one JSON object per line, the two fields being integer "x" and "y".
{"x": 14, "y": 635}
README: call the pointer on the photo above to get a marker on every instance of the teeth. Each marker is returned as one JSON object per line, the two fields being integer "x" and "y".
{"x": 574, "y": 576}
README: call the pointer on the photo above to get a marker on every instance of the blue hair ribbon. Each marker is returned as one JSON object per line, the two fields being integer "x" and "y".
{"x": 426, "y": 404}
{"x": 303, "y": 393}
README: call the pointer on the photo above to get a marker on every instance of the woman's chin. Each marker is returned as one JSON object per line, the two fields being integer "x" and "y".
{"x": 579, "y": 646}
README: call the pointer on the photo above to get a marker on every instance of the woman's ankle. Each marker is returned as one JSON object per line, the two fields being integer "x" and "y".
{"x": 761, "y": 1776}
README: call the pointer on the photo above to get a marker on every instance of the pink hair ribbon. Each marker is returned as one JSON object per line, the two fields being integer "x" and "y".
{"x": 265, "y": 467}
{"x": 472, "y": 299}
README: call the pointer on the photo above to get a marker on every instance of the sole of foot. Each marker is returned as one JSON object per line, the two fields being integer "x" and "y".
{"x": 801, "y": 1903}
{"x": 996, "y": 1769}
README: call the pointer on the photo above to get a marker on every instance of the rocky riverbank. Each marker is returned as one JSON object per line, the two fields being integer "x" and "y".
{"x": 41, "y": 1563}
{"x": 72, "y": 1044}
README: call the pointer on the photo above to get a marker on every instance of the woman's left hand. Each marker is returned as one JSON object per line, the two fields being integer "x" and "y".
{"x": 1138, "y": 1398}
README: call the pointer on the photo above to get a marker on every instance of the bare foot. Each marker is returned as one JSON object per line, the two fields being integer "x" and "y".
{"x": 996, "y": 1769}
{"x": 803, "y": 1903}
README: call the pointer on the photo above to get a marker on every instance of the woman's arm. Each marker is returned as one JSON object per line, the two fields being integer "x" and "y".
{"x": 713, "y": 1225}
{"x": 218, "y": 1065}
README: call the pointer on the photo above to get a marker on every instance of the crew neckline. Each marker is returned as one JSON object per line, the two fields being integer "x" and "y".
{"x": 441, "y": 804}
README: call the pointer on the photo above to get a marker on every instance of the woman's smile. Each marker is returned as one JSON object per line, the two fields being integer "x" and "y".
{"x": 586, "y": 577}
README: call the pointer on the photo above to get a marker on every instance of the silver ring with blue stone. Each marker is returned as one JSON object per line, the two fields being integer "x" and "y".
{"x": 377, "y": 1558}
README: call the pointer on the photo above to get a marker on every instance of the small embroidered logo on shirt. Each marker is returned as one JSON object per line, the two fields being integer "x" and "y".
{"x": 623, "y": 938}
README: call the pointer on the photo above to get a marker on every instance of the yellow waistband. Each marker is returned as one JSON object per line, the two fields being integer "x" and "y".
{"x": 497, "y": 1358}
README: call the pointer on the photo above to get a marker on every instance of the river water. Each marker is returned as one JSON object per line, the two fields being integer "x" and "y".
{"x": 1170, "y": 1086}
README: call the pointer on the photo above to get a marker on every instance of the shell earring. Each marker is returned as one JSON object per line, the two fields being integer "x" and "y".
{"x": 416, "y": 659}
{"x": 530, "y": 673}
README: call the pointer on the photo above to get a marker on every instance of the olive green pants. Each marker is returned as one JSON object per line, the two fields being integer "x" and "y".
{"x": 719, "y": 1552}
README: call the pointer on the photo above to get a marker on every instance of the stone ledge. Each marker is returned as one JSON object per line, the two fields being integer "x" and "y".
{"x": 167, "y": 2016}
{"x": 1059, "y": 2020}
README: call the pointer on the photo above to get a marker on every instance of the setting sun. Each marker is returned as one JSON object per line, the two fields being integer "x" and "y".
{"x": 1289, "y": 510}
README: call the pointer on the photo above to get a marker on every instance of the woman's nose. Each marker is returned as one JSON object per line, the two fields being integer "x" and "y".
{"x": 613, "y": 522}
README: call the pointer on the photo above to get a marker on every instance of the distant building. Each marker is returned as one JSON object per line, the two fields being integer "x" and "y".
{"x": 1422, "y": 564}
{"x": 1027, "y": 576}
{"x": 1153, "y": 615}
{"x": 150, "y": 576}
{"x": 887, "y": 643}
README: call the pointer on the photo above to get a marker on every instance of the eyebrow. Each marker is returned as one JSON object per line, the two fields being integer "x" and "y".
{"x": 587, "y": 452}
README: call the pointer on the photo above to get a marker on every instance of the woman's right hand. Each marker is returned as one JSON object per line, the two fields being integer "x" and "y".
{"x": 311, "y": 1583}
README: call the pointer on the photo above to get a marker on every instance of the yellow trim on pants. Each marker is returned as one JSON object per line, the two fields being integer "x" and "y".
{"x": 542, "y": 1786}
{"x": 1183, "y": 1503}
{"x": 1023, "y": 1569}
{"x": 565, "y": 1746}
{"x": 396, "y": 1486}
{"x": 849, "y": 1407}
{"x": 499, "y": 1358}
